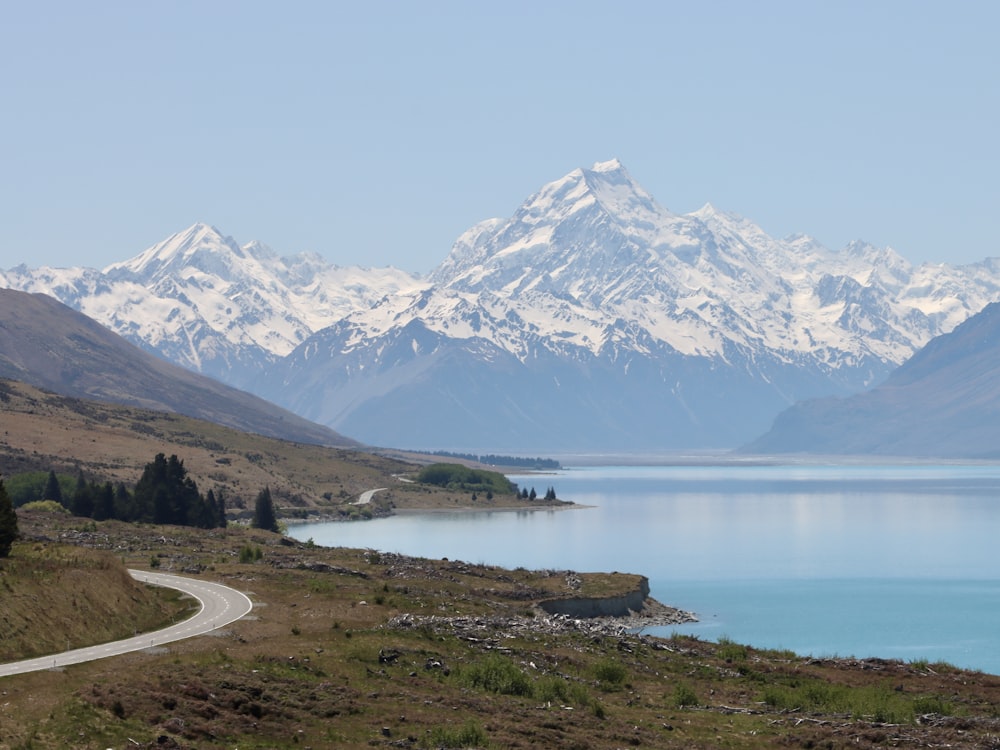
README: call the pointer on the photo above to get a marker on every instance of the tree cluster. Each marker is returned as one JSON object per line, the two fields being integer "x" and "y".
{"x": 459, "y": 477}
{"x": 164, "y": 494}
{"x": 491, "y": 459}
{"x": 550, "y": 494}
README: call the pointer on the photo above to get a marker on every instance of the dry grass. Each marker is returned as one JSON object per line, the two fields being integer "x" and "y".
{"x": 315, "y": 666}
{"x": 43, "y": 431}
{"x": 48, "y": 590}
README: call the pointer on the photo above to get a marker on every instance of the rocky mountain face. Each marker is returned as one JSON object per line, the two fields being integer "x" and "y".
{"x": 594, "y": 319}
{"x": 944, "y": 402}
{"x": 48, "y": 345}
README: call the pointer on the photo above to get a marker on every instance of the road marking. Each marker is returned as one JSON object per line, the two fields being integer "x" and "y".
{"x": 204, "y": 622}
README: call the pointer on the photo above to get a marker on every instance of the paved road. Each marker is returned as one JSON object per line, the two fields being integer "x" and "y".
{"x": 367, "y": 495}
{"x": 220, "y": 605}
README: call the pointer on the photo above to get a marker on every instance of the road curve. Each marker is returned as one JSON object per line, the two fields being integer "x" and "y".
{"x": 367, "y": 495}
{"x": 220, "y": 605}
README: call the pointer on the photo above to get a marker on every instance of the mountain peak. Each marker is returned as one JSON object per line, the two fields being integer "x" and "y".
{"x": 706, "y": 212}
{"x": 199, "y": 241}
{"x": 612, "y": 165}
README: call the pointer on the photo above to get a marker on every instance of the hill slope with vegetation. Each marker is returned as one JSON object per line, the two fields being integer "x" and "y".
{"x": 59, "y": 596}
{"x": 47, "y": 344}
{"x": 355, "y": 648}
{"x": 43, "y": 432}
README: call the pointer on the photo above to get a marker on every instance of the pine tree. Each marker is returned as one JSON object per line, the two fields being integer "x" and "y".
{"x": 216, "y": 506}
{"x": 166, "y": 494}
{"x": 124, "y": 507}
{"x": 263, "y": 514}
{"x": 8, "y": 522}
{"x": 104, "y": 502}
{"x": 83, "y": 498}
{"x": 52, "y": 489}
{"x": 220, "y": 510}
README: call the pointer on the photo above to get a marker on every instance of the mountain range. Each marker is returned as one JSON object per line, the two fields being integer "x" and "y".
{"x": 48, "y": 345}
{"x": 593, "y": 319}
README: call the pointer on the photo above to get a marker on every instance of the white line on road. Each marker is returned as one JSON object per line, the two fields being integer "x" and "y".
{"x": 206, "y": 619}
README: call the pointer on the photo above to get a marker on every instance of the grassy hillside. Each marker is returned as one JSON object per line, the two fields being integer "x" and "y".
{"x": 57, "y": 596}
{"x": 353, "y": 649}
{"x": 42, "y": 431}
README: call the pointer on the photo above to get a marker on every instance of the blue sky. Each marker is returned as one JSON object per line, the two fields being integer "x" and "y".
{"x": 376, "y": 132}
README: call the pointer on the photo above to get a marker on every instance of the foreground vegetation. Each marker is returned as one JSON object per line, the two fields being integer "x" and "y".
{"x": 353, "y": 648}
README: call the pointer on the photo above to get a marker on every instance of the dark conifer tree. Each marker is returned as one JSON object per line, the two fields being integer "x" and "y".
{"x": 104, "y": 502}
{"x": 263, "y": 514}
{"x": 8, "y": 522}
{"x": 165, "y": 494}
{"x": 52, "y": 489}
{"x": 124, "y": 508}
{"x": 83, "y": 498}
{"x": 217, "y": 506}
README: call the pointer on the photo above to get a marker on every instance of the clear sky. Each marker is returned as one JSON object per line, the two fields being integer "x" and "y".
{"x": 376, "y": 132}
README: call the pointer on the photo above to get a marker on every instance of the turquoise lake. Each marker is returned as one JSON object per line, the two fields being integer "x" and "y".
{"x": 894, "y": 561}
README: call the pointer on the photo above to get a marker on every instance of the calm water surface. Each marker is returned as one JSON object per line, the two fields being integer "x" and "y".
{"x": 891, "y": 561}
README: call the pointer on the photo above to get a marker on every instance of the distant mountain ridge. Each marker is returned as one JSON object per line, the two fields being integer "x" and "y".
{"x": 204, "y": 302}
{"x": 592, "y": 319}
{"x": 48, "y": 345}
{"x": 943, "y": 403}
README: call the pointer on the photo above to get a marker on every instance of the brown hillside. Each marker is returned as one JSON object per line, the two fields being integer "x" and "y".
{"x": 61, "y": 596}
{"x": 41, "y": 431}
{"x": 47, "y": 344}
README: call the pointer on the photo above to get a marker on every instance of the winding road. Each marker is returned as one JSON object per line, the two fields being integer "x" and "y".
{"x": 220, "y": 605}
{"x": 367, "y": 495}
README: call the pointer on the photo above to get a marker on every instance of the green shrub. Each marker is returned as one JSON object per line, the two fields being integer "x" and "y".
{"x": 497, "y": 674}
{"x": 468, "y": 735}
{"x": 552, "y": 689}
{"x": 731, "y": 651}
{"x": 250, "y": 554}
{"x": 685, "y": 696}
{"x": 931, "y": 704}
{"x": 48, "y": 506}
{"x": 610, "y": 672}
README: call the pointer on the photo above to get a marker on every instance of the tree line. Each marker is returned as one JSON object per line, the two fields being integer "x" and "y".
{"x": 490, "y": 459}
{"x": 164, "y": 494}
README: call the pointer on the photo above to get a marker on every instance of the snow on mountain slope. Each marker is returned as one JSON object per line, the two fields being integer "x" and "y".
{"x": 202, "y": 301}
{"x": 652, "y": 328}
{"x": 707, "y": 321}
{"x": 594, "y": 247}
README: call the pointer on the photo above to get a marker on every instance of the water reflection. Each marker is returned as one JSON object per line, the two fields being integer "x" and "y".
{"x": 825, "y": 559}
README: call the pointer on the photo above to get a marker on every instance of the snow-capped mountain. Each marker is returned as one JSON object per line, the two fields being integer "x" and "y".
{"x": 592, "y": 319}
{"x": 204, "y": 302}
{"x": 595, "y": 319}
